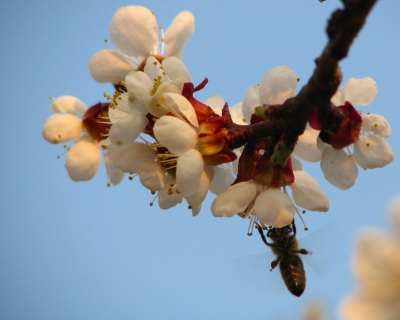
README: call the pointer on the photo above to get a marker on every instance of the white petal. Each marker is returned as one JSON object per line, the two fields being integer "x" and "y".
{"x": 130, "y": 158}
{"x": 154, "y": 70}
{"x": 178, "y": 33}
{"x": 116, "y": 114}
{"x": 376, "y": 124}
{"x": 176, "y": 71}
{"x": 60, "y": 128}
{"x": 167, "y": 199}
{"x": 237, "y": 113}
{"x": 376, "y": 263}
{"x": 223, "y": 178}
{"x": 234, "y": 200}
{"x": 134, "y": 31}
{"x": 128, "y": 129}
{"x": 372, "y": 152}
{"x": 306, "y": 147}
{"x": 83, "y": 160}
{"x": 274, "y": 208}
{"x": 356, "y": 307}
{"x": 359, "y": 92}
{"x": 251, "y": 100}
{"x": 105, "y": 144}
{"x": 339, "y": 168}
{"x": 175, "y": 134}
{"x": 394, "y": 215}
{"x": 115, "y": 175}
{"x": 307, "y": 193}
{"x": 138, "y": 85}
{"x": 196, "y": 211}
{"x": 189, "y": 169}
{"x": 69, "y": 104}
{"x": 179, "y": 105}
{"x": 278, "y": 85}
{"x": 338, "y": 98}
{"x": 155, "y": 103}
{"x": 216, "y": 103}
{"x": 151, "y": 175}
{"x": 296, "y": 164}
{"x": 109, "y": 66}
{"x": 198, "y": 197}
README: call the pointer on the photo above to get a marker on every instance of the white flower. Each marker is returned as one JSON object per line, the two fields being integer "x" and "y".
{"x": 134, "y": 30}
{"x": 370, "y": 151}
{"x": 179, "y": 136}
{"x": 144, "y": 94}
{"x": 83, "y": 158}
{"x": 376, "y": 265}
{"x": 216, "y": 103}
{"x": 271, "y": 206}
{"x": 276, "y": 86}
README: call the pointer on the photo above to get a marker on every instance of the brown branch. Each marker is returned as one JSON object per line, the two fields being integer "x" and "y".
{"x": 289, "y": 120}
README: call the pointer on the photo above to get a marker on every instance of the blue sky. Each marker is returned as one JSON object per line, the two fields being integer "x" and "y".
{"x": 84, "y": 251}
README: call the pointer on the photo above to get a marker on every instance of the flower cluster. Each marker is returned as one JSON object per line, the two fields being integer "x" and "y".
{"x": 376, "y": 265}
{"x": 152, "y": 127}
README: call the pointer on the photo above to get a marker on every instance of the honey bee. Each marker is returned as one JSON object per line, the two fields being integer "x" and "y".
{"x": 284, "y": 246}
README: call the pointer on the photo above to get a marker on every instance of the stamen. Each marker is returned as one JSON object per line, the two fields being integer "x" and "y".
{"x": 253, "y": 222}
{"x": 162, "y": 49}
{"x": 66, "y": 150}
{"x": 301, "y": 218}
{"x": 152, "y": 202}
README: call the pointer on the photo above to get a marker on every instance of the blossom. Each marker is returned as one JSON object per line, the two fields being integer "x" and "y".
{"x": 376, "y": 265}
{"x": 271, "y": 205}
{"x": 370, "y": 151}
{"x": 83, "y": 158}
{"x": 179, "y": 136}
{"x": 276, "y": 86}
{"x": 134, "y": 30}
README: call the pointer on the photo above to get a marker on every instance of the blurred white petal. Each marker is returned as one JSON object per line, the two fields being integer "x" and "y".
{"x": 60, "y": 128}
{"x": 83, "y": 160}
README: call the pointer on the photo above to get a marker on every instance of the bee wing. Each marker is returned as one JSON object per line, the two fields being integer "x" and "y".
{"x": 254, "y": 271}
{"x": 322, "y": 245}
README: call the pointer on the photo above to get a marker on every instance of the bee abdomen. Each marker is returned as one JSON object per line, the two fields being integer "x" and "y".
{"x": 293, "y": 274}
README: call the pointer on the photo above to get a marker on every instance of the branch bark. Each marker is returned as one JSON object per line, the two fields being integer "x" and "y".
{"x": 289, "y": 120}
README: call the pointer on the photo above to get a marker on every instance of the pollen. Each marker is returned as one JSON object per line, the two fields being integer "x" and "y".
{"x": 156, "y": 84}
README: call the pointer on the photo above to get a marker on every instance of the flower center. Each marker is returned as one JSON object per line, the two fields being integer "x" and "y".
{"x": 94, "y": 123}
{"x": 158, "y": 57}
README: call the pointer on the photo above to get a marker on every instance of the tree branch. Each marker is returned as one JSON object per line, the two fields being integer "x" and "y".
{"x": 289, "y": 120}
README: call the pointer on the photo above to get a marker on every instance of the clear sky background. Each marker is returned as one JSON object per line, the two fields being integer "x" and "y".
{"x": 84, "y": 251}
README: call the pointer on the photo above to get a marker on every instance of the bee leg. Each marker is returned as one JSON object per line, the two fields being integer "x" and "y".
{"x": 304, "y": 251}
{"x": 260, "y": 230}
{"x": 275, "y": 263}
